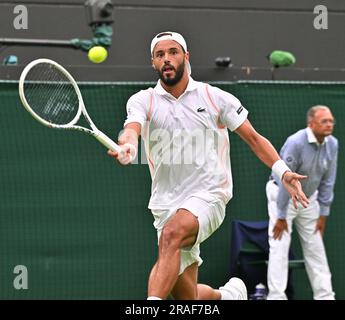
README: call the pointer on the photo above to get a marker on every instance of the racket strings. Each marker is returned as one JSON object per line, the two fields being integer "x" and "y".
{"x": 50, "y": 94}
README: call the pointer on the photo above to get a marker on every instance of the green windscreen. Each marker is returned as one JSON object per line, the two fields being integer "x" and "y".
{"x": 78, "y": 222}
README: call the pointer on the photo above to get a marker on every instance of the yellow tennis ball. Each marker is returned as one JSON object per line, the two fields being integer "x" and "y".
{"x": 97, "y": 54}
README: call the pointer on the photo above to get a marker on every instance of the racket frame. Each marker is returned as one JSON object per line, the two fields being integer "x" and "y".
{"x": 95, "y": 132}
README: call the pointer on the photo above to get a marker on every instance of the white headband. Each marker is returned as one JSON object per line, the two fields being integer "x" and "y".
{"x": 169, "y": 35}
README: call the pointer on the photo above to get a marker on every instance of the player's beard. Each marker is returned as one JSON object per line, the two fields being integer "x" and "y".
{"x": 171, "y": 81}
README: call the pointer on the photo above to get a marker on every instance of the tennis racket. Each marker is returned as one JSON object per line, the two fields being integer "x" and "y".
{"x": 51, "y": 95}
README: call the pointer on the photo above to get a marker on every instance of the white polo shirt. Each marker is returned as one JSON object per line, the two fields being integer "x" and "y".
{"x": 186, "y": 141}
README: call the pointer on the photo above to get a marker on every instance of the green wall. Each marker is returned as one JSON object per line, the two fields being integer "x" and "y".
{"x": 79, "y": 222}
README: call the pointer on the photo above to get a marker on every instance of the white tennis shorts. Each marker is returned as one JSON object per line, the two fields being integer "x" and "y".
{"x": 210, "y": 215}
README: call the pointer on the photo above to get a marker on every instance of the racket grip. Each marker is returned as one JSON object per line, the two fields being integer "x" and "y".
{"x": 107, "y": 142}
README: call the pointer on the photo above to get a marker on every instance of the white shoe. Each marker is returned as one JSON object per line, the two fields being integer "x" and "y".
{"x": 234, "y": 289}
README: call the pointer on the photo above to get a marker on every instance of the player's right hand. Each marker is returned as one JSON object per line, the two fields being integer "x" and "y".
{"x": 125, "y": 157}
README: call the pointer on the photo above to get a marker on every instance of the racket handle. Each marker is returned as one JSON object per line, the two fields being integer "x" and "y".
{"x": 107, "y": 142}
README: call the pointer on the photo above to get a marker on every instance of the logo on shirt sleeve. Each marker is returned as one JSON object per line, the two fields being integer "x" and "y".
{"x": 239, "y": 110}
{"x": 201, "y": 109}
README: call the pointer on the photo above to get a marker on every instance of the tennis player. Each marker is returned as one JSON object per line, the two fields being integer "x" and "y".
{"x": 184, "y": 126}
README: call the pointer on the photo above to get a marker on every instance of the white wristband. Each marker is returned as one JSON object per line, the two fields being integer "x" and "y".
{"x": 279, "y": 168}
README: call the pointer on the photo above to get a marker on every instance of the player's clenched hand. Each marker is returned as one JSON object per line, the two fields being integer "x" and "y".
{"x": 125, "y": 157}
{"x": 292, "y": 184}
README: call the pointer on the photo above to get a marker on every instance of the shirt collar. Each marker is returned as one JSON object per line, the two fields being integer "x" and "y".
{"x": 192, "y": 85}
{"x": 312, "y": 138}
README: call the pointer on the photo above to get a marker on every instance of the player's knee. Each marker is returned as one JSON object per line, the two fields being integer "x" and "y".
{"x": 171, "y": 237}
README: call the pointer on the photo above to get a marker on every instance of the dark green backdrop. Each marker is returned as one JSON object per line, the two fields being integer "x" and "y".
{"x": 79, "y": 222}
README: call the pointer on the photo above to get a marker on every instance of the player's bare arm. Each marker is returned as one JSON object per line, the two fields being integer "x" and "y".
{"x": 265, "y": 151}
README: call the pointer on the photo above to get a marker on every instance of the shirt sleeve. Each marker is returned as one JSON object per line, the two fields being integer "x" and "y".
{"x": 137, "y": 108}
{"x": 325, "y": 191}
{"x": 232, "y": 114}
{"x": 290, "y": 154}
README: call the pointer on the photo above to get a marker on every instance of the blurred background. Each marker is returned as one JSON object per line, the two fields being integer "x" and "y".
{"x": 246, "y": 31}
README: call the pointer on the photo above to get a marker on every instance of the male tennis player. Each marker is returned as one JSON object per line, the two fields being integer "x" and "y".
{"x": 184, "y": 126}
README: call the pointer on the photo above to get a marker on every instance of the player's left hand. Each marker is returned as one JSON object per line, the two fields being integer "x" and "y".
{"x": 291, "y": 182}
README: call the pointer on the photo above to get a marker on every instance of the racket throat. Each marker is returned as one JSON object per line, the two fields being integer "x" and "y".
{"x": 106, "y": 141}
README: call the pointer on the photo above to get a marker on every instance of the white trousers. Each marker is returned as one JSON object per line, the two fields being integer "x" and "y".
{"x": 314, "y": 253}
